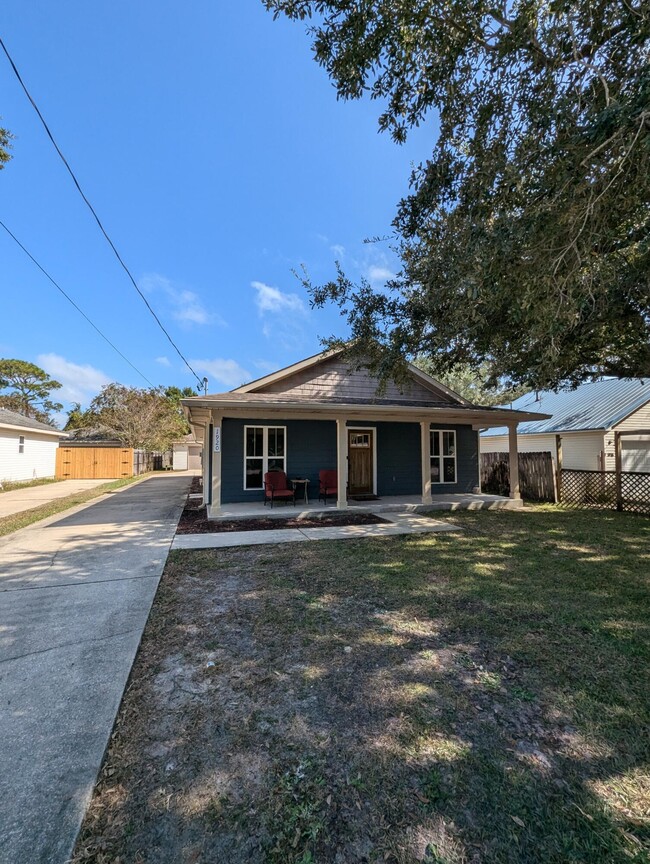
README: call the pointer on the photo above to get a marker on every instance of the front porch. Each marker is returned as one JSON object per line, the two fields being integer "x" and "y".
{"x": 387, "y": 504}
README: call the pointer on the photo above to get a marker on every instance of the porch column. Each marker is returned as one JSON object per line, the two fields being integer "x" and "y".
{"x": 215, "y": 458}
{"x": 342, "y": 463}
{"x": 513, "y": 452}
{"x": 425, "y": 440}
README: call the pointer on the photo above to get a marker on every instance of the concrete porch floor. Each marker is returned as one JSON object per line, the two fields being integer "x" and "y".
{"x": 387, "y": 504}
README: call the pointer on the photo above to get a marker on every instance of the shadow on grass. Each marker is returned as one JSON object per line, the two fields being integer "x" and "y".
{"x": 444, "y": 698}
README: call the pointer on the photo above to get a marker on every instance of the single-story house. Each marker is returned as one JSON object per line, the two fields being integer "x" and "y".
{"x": 583, "y": 425}
{"x": 186, "y": 453}
{"x": 420, "y": 438}
{"x": 27, "y": 447}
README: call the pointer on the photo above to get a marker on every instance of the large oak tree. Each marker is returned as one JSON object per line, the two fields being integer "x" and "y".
{"x": 525, "y": 241}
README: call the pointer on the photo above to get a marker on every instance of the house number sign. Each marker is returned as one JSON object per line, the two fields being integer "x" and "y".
{"x": 217, "y": 439}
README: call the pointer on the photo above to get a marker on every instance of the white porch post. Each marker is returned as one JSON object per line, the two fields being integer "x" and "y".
{"x": 205, "y": 459}
{"x": 425, "y": 439}
{"x": 513, "y": 453}
{"x": 342, "y": 463}
{"x": 217, "y": 447}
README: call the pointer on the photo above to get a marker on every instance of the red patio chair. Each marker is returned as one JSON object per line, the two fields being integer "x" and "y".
{"x": 329, "y": 484}
{"x": 277, "y": 488}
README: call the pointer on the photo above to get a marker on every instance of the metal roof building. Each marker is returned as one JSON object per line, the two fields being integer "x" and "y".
{"x": 595, "y": 405}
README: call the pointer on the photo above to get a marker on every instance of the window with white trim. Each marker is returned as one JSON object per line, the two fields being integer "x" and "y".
{"x": 265, "y": 449}
{"x": 443, "y": 455}
{"x": 21, "y": 443}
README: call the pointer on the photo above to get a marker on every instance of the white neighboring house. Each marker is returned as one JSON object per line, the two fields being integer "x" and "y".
{"x": 584, "y": 422}
{"x": 186, "y": 454}
{"x": 27, "y": 447}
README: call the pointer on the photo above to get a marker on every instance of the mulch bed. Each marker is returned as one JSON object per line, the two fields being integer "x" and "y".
{"x": 196, "y": 485}
{"x": 195, "y": 521}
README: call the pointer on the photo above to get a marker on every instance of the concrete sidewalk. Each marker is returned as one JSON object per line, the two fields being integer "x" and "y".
{"x": 76, "y": 593}
{"x": 33, "y": 496}
{"x": 398, "y": 523}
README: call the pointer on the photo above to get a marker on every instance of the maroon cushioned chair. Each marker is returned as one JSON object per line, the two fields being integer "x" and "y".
{"x": 277, "y": 488}
{"x": 328, "y": 483}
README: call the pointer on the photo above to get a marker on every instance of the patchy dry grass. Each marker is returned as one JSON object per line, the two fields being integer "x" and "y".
{"x": 13, "y": 485}
{"x": 439, "y": 699}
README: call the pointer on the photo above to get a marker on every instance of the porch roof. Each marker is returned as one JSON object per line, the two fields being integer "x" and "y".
{"x": 247, "y": 404}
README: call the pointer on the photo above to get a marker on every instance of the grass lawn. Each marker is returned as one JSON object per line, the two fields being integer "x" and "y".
{"x": 9, "y": 524}
{"x": 442, "y": 699}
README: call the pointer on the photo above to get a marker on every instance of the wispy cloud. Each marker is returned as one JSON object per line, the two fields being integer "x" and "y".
{"x": 338, "y": 250}
{"x": 224, "y": 372}
{"x": 283, "y": 315}
{"x": 270, "y": 299}
{"x": 378, "y": 273}
{"x": 80, "y": 381}
{"x": 265, "y": 366}
{"x": 164, "y": 361}
{"x": 186, "y": 306}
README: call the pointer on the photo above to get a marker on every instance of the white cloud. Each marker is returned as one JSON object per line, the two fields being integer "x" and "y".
{"x": 186, "y": 306}
{"x": 80, "y": 382}
{"x": 273, "y": 300}
{"x": 164, "y": 361}
{"x": 226, "y": 372}
{"x": 283, "y": 315}
{"x": 338, "y": 250}
{"x": 377, "y": 273}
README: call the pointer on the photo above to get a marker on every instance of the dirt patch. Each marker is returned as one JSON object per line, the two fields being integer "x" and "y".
{"x": 194, "y": 521}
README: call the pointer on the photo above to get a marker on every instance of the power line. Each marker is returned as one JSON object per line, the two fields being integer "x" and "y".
{"x": 92, "y": 210}
{"x": 70, "y": 300}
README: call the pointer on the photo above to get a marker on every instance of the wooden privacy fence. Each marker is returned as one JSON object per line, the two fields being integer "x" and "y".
{"x": 536, "y": 475}
{"x": 606, "y": 490}
{"x": 101, "y": 463}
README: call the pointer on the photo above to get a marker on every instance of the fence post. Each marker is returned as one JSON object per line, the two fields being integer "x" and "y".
{"x": 558, "y": 482}
{"x": 619, "y": 477}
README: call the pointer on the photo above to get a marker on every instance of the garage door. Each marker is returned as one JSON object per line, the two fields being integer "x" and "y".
{"x": 194, "y": 458}
{"x": 635, "y": 454}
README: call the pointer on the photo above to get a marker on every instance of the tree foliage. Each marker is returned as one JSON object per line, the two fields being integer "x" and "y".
{"x": 26, "y": 388}
{"x": 525, "y": 240}
{"x": 470, "y": 382}
{"x": 5, "y": 145}
{"x": 140, "y": 418}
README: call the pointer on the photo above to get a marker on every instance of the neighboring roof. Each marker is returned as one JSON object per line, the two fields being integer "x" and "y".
{"x": 592, "y": 406}
{"x": 286, "y": 372}
{"x": 13, "y": 420}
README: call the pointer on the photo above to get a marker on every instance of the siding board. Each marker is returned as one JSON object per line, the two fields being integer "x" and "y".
{"x": 311, "y": 446}
{"x": 38, "y": 459}
{"x": 335, "y": 378}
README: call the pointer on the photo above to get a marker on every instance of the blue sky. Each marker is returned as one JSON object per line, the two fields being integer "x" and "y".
{"x": 219, "y": 159}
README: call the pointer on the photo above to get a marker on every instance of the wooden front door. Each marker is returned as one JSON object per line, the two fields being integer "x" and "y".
{"x": 360, "y": 461}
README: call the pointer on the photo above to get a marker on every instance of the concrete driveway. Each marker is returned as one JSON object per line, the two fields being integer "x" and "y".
{"x": 75, "y": 595}
{"x": 34, "y": 496}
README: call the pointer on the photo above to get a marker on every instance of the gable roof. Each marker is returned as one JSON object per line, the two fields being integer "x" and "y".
{"x": 325, "y": 385}
{"x": 14, "y": 420}
{"x": 280, "y": 381}
{"x": 594, "y": 405}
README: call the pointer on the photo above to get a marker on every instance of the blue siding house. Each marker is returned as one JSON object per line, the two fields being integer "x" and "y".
{"x": 416, "y": 439}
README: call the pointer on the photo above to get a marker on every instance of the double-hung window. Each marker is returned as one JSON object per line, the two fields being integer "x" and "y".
{"x": 443, "y": 455}
{"x": 21, "y": 443}
{"x": 265, "y": 449}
